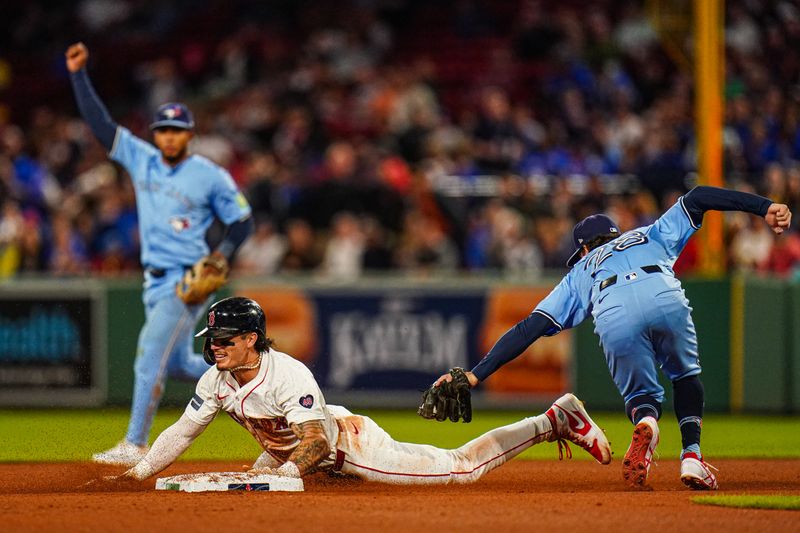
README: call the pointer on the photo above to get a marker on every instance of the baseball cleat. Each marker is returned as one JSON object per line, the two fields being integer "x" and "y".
{"x": 123, "y": 454}
{"x": 571, "y": 422}
{"x": 636, "y": 464}
{"x": 696, "y": 473}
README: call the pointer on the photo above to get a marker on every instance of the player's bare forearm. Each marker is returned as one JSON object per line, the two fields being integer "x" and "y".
{"x": 313, "y": 447}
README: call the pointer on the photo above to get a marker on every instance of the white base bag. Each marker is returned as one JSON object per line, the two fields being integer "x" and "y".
{"x": 225, "y": 481}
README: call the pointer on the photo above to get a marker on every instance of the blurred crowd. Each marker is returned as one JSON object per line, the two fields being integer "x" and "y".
{"x": 393, "y": 135}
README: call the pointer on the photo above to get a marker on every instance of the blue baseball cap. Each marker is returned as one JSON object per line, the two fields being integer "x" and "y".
{"x": 586, "y": 230}
{"x": 173, "y": 115}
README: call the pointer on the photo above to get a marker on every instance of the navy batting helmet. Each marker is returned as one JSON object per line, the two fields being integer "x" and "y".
{"x": 229, "y": 317}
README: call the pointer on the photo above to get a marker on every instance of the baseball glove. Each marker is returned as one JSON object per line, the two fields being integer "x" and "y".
{"x": 205, "y": 277}
{"x": 450, "y": 399}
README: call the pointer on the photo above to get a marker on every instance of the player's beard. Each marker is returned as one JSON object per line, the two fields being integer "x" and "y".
{"x": 177, "y": 158}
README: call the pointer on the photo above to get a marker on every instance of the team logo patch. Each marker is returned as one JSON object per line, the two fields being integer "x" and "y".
{"x": 307, "y": 401}
{"x": 179, "y": 223}
{"x": 211, "y": 318}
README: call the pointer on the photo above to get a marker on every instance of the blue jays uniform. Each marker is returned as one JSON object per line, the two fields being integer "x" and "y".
{"x": 626, "y": 283}
{"x": 176, "y": 206}
{"x": 177, "y": 199}
{"x": 637, "y": 304}
{"x": 638, "y": 307}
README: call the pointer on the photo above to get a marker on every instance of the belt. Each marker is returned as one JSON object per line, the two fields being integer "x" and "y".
{"x": 161, "y": 272}
{"x": 648, "y": 269}
{"x": 339, "y": 462}
{"x": 156, "y": 272}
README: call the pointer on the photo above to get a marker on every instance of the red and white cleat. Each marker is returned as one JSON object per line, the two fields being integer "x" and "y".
{"x": 636, "y": 464}
{"x": 571, "y": 422}
{"x": 696, "y": 473}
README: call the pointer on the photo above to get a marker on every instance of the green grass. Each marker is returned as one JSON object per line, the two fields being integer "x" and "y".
{"x": 71, "y": 435}
{"x": 747, "y": 501}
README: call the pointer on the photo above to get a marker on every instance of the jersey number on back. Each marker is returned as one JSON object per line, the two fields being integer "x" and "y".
{"x": 633, "y": 238}
{"x": 629, "y": 240}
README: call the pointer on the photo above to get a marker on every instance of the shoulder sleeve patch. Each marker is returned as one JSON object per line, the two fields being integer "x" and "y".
{"x": 241, "y": 201}
{"x": 196, "y": 402}
{"x": 307, "y": 401}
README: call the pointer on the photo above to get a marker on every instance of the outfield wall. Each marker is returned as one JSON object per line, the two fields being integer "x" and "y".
{"x": 381, "y": 342}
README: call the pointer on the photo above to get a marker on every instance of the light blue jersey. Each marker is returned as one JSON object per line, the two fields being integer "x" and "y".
{"x": 176, "y": 205}
{"x": 638, "y": 306}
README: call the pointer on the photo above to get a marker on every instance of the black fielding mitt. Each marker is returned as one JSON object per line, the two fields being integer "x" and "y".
{"x": 450, "y": 399}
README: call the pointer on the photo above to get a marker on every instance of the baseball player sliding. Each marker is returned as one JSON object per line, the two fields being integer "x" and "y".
{"x": 626, "y": 283}
{"x": 178, "y": 195}
{"x": 277, "y": 400}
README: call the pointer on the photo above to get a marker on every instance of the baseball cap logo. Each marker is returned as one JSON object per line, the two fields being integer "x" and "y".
{"x": 211, "y": 318}
{"x": 172, "y": 112}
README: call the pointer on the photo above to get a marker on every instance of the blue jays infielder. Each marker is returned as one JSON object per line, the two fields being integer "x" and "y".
{"x": 178, "y": 195}
{"x": 626, "y": 283}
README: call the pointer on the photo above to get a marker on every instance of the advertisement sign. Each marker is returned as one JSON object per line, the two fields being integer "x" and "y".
{"x": 50, "y": 346}
{"x": 394, "y": 340}
{"x": 401, "y": 339}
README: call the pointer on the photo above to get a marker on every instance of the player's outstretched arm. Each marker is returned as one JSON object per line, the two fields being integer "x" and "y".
{"x": 172, "y": 442}
{"x": 90, "y": 105}
{"x": 779, "y": 217}
{"x": 704, "y": 198}
{"x": 513, "y": 342}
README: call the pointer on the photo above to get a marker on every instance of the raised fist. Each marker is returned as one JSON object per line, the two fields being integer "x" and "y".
{"x": 77, "y": 55}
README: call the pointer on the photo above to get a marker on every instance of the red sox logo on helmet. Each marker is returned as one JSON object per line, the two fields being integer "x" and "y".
{"x": 211, "y": 318}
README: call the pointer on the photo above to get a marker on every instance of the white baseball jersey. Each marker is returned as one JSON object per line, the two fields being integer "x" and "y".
{"x": 283, "y": 392}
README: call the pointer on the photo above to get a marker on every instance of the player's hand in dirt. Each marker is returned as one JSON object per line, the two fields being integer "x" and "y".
{"x": 287, "y": 469}
{"x": 77, "y": 56}
{"x": 264, "y": 470}
{"x": 778, "y": 217}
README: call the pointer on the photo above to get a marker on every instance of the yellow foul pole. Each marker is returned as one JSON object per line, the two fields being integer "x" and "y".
{"x": 709, "y": 61}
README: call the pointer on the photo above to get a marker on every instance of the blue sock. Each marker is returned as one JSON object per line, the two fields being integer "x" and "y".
{"x": 692, "y": 448}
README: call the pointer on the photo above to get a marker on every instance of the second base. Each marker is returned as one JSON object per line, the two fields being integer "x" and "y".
{"x": 225, "y": 481}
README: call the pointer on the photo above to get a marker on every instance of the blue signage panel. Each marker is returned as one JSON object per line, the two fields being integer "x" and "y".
{"x": 394, "y": 340}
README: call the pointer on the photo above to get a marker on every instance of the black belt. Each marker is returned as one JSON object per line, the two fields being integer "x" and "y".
{"x": 648, "y": 269}
{"x": 160, "y": 272}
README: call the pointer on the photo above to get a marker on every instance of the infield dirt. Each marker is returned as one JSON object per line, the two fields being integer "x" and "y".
{"x": 519, "y": 496}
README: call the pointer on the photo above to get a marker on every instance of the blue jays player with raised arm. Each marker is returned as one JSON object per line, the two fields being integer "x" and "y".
{"x": 626, "y": 283}
{"x": 178, "y": 195}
